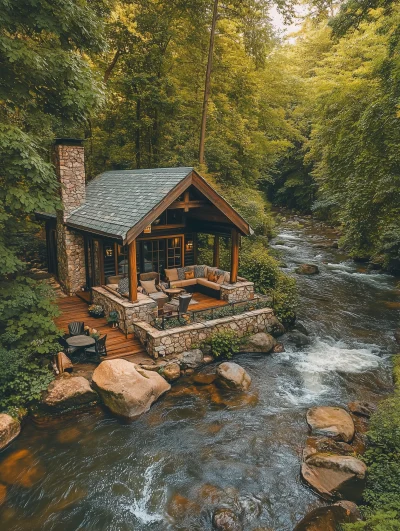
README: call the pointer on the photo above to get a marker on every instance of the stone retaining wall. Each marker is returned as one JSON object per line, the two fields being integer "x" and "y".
{"x": 239, "y": 291}
{"x": 144, "y": 310}
{"x": 177, "y": 340}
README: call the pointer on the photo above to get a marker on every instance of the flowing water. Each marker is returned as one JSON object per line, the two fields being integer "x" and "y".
{"x": 199, "y": 448}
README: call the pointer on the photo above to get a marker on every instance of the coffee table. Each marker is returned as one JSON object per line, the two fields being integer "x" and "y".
{"x": 171, "y": 292}
{"x": 80, "y": 341}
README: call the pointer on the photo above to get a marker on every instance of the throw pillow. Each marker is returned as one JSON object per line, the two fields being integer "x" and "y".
{"x": 189, "y": 274}
{"x": 212, "y": 277}
{"x": 227, "y": 277}
{"x": 181, "y": 273}
{"x": 171, "y": 274}
{"x": 149, "y": 286}
{"x": 123, "y": 286}
{"x": 200, "y": 271}
{"x": 221, "y": 279}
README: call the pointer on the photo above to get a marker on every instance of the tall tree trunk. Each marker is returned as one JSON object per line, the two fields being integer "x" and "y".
{"x": 138, "y": 131}
{"x": 111, "y": 66}
{"x": 207, "y": 85}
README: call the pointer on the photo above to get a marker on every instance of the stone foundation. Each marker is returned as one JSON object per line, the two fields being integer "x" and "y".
{"x": 144, "y": 310}
{"x": 177, "y": 340}
{"x": 240, "y": 291}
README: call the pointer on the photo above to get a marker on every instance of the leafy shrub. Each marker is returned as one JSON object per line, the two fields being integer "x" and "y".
{"x": 258, "y": 266}
{"x": 223, "y": 344}
{"x": 23, "y": 376}
{"x": 382, "y": 495}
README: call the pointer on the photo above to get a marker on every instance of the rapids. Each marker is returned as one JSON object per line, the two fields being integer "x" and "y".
{"x": 200, "y": 448}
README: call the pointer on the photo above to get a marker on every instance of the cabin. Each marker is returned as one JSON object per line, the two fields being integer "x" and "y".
{"x": 124, "y": 229}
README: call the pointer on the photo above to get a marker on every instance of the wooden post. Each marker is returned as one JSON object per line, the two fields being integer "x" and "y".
{"x": 102, "y": 277}
{"x": 132, "y": 271}
{"x": 116, "y": 258}
{"x": 234, "y": 256}
{"x": 216, "y": 251}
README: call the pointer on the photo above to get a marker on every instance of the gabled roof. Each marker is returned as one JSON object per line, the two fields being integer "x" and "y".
{"x": 120, "y": 204}
{"x": 117, "y": 200}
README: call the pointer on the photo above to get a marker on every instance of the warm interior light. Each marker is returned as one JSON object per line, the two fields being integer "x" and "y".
{"x": 109, "y": 251}
{"x": 189, "y": 245}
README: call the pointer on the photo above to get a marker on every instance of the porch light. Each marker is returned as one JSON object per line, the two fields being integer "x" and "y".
{"x": 147, "y": 229}
{"x": 109, "y": 251}
{"x": 189, "y": 245}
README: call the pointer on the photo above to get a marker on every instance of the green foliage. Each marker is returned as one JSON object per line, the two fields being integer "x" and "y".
{"x": 113, "y": 317}
{"x": 47, "y": 88}
{"x": 96, "y": 310}
{"x": 258, "y": 266}
{"x": 382, "y": 495}
{"x": 23, "y": 377}
{"x": 223, "y": 344}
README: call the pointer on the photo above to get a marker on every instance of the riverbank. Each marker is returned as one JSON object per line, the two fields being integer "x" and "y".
{"x": 200, "y": 447}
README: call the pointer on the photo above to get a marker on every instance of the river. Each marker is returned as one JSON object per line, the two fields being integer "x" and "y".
{"x": 199, "y": 448}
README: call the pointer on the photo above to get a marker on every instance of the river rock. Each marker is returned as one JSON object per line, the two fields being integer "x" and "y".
{"x": 233, "y": 376}
{"x": 124, "y": 390}
{"x": 66, "y": 393}
{"x": 301, "y": 328}
{"x": 307, "y": 269}
{"x": 335, "y": 476}
{"x": 397, "y": 336}
{"x": 226, "y": 520}
{"x": 278, "y": 348}
{"x": 9, "y": 429}
{"x": 328, "y": 518}
{"x": 275, "y": 326}
{"x": 261, "y": 342}
{"x": 362, "y": 409}
{"x": 191, "y": 359}
{"x": 298, "y": 339}
{"x": 203, "y": 378}
{"x": 171, "y": 371}
{"x": 332, "y": 422}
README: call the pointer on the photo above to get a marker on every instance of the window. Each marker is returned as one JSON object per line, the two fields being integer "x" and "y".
{"x": 174, "y": 251}
{"x": 153, "y": 252}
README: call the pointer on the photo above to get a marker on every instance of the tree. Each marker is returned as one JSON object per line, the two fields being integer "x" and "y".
{"x": 47, "y": 88}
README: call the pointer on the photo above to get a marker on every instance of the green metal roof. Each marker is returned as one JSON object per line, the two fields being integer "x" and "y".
{"x": 117, "y": 200}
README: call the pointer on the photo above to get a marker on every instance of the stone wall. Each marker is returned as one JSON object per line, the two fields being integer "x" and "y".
{"x": 144, "y": 310}
{"x": 70, "y": 258}
{"x": 177, "y": 340}
{"x": 70, "y": 167}
{"x": 239, "y": 291}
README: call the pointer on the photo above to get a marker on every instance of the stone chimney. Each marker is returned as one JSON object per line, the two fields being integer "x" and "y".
{"x": 69, "y": 161}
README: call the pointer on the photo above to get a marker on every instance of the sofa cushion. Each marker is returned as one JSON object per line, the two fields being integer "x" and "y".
{"x": 221, "y": 279}
{"x": 183, "y": 283}
{"x": 171, "y": 274}
{"x": 212, "y": 276}
{"x": 189, "y": 274}
{"x": 208, "y": 284}
{"x": 200, "y": 271}
{"x": 149, "y": 286}
{"x": 123, "y": 286}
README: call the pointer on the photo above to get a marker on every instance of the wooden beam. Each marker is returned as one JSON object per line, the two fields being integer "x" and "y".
{"x": 132, "y": 271}
{"x": 116, "y": 258}
{"x": 186, "y": 205}
{"x": 186, "y": 199}
{"x": 216, "y": 251}
{"x": 234, "y": 255}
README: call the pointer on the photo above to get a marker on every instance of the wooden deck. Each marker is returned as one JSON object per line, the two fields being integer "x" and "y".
{"x": 118, "y": 346}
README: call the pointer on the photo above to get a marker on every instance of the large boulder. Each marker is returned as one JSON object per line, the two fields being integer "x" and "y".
{"x": 233, "y": 376}
{"x": 191, "y": 359}
{"x": 331, "y": 422}
{"x": 261, "y": 342}
{"x": 329, "y": 518}
{"x": 68, "y": 392}
{"x": 335, "y": 476}
{"x": 9, "y": 429}
{"x": 307, "y": 269}
{"x": 126, "y": 391}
